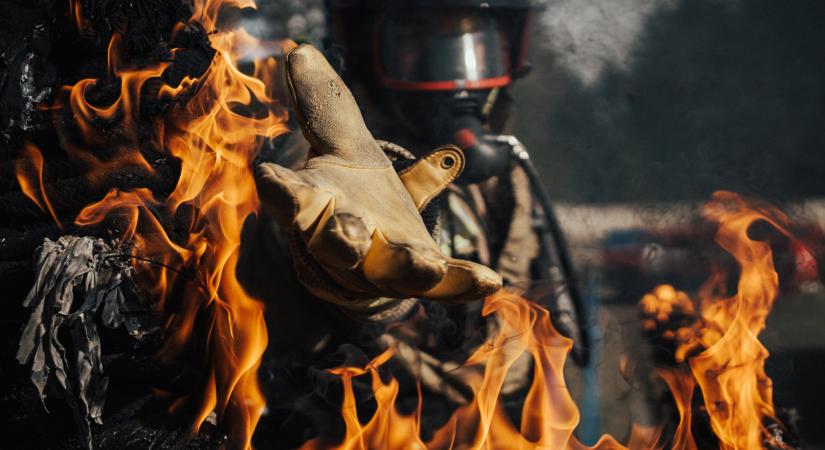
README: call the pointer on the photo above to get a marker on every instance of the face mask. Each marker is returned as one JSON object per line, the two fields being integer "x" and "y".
{"x": 438, "y": 118}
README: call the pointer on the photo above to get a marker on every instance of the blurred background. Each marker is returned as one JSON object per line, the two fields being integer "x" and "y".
{"x": 635, "y": 112}
{"x": 638, "y": 109}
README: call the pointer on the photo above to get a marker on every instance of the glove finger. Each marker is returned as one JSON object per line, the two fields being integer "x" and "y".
{"x": 430, "y": 175}
{"x": 402, "y": 269}
{"x": 289, "y": 198}
{"x": 465, "y": 281}
{"x": 330, "y": 119}
{"x": 341, "y": 240}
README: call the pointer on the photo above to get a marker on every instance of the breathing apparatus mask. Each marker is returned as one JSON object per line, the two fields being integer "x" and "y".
{"x": 442, "y": 70}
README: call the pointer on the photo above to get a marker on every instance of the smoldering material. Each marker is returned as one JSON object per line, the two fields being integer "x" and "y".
{"x": 78, "y": 280}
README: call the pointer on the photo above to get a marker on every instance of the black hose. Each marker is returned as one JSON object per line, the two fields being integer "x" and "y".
{"x": 581, "y": 352}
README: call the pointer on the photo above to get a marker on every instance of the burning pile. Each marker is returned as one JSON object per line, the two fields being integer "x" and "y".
{"x": 207, "y": 125}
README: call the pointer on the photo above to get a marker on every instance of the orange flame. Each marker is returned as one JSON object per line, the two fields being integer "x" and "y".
{"x": 215, "y": 142}
{"x": 549, "y": 413}
{"x": 682, "y": 388}
{"x": 75, "y": 12}
{"x": 724, "y": 359}
{"x": 29, "y": 165}
{"x": 731, "y": 369}
{"x": 723, "y": 354}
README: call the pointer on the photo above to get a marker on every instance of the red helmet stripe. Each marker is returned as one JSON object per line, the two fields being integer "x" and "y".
{"x": 447, "y": 85}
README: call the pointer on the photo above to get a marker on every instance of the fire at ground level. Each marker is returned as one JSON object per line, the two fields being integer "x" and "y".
{"x": 177, "y": 129}
{"x": 608, "y": 393}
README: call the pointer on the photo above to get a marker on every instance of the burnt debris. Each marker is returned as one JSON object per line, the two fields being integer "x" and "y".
{"x": 80, "y": 281}
{"x": 84, "y": 320}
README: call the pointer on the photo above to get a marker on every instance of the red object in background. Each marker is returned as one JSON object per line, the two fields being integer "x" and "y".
{"x": 805, "y": 264}
{"x": 624, "y": 252}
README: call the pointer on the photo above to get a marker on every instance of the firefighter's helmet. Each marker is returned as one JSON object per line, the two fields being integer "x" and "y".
{"x": 433, "y": 45}
{"x": 437, "y": 66}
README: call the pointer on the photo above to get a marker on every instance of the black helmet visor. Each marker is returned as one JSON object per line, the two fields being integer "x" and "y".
{"x": 441, "y": 49}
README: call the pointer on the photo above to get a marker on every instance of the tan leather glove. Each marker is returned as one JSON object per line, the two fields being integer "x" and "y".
{"x": 353, "y": 220}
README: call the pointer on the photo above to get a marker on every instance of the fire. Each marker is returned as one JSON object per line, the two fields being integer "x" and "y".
{"x": 549, "y": 412}
{"x": 76, "y": 13}
{"x": 719, "y": 352}
{"x": 214, "y": 135}
{"x": 29, "y": 172}
{"x": 722, "y": 349}
{"x": 682, "y": 387}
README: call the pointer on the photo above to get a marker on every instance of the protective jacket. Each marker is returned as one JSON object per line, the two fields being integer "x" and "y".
{"x": 318, "y": 320}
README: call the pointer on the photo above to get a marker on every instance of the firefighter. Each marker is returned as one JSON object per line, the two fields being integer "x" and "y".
{"x": 429, "y": 72}
{"x": 367, "y": 269}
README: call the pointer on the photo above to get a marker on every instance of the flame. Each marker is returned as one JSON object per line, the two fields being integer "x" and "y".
{"x": 75, "y": 12}
{"x": 549, "y": 413}
{"x": 215, "y": 138}
{"x": 214, "y": 135}
{"x": 720, "y": 347}
{"x": 720, "y": 352}
{"x": 29, "y": 165}
{"x": 682, "y": 388}
{"x": 730, "y": 369}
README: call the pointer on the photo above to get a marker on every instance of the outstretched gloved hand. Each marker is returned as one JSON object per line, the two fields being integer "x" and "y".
{"x": 352, "y": 219}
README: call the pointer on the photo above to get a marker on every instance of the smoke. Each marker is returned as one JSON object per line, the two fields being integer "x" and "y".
{"x": 669, "y": 100}
{"x": 590, "y": 35}
{"x": 302, "y": 20}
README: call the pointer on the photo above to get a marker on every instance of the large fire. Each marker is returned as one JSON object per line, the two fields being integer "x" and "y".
{"x": 215, "y": 143}
{"x": 215, "y": 138}
{"x": 719, "y": 352}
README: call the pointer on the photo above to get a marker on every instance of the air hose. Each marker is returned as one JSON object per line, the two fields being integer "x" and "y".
{"x": 573, "y": 314}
